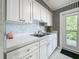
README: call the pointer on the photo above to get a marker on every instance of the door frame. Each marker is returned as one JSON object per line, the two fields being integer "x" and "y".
{"x": 62, "y": 30}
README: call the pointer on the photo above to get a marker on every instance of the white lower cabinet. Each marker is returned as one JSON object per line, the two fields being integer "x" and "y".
{"x": 43, "y": 52}
{"x": 30, "y": 51}
{"x": 13, "y": 55}
{"x": 52, "y": 43}
{"x": 32, "y": 55}
{"x": 38, "y": 50}
{"x": 43, "y": 49}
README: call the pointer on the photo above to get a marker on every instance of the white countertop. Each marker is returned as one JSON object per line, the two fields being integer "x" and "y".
{"x": 19, "y": 40}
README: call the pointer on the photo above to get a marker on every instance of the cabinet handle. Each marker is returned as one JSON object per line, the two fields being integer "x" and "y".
{"x": 28, "y": 50}
{"x": 22, "y": 20}
{"x": 27, "y": 58}
{"x": 30, "y": 56}
{"x": 48, "y": 44}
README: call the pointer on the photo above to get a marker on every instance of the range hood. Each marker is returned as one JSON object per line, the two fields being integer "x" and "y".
{"x": 39, "y": 22}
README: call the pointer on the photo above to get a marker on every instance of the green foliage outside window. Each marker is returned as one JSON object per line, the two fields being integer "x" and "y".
{"x": 71, "y": 27}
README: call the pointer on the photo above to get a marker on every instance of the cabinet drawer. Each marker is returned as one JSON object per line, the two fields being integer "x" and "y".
{"x": 22, "y": 51}
{"x": 32, "y": 55}
{"x": 29, "y": 48}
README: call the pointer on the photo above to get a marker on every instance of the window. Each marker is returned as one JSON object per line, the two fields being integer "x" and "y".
{"x": 71, "y": 30}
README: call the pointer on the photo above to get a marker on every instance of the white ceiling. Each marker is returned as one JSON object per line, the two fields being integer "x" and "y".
{"x": 56, "y": 4}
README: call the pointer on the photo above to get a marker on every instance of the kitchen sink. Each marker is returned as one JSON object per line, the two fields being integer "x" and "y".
{"x": 39, "y": 35}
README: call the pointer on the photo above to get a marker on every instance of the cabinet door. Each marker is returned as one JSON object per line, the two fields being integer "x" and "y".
{"x": 13, "y": 10}
{"x": 49, "y": 18}
{"x": 43, "y": 14}
{"x": 13, "y": 55}
{"x": 25, "y": 10}
{"x": 33, "y": 55}
{"x": 54, "y": 36}
{"x": 50, "y": 46}
{"x": 52, "y": 43}
{"x": 36, "y": 11}
{"x": 43, "y": 51}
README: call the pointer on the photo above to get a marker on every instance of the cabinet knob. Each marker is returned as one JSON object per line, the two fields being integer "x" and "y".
{"x": 48, "y": 44}
{"x": 28, "y": 50}
{"x": 30, "y": 56}
{"x": 27, "y": 58}
{"x": 22, "y": 20}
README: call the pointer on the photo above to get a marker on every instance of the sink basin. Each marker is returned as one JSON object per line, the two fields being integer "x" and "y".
{"x": 39, "y": 35}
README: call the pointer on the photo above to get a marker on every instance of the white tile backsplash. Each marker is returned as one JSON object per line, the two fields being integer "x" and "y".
{"x": 22, "y": 28}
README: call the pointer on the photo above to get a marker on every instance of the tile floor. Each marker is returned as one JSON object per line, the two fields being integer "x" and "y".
{"x": 57, "y": 55}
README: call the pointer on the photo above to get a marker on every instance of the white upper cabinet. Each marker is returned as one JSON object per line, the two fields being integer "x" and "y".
{"x": 12, "y": 10}
{"x": 19, "y": 10}
{"x": 49, "y": 18}
{"x": 36, "y": 11}
{"x": 25, "y": 11}
{"x": 43, "y": 14}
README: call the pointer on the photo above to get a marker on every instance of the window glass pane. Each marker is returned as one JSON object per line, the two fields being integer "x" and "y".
{"x": 71, "y": 35}
{"x": 71, "y": 30}
{"x": 71, "y": 38}
{"x": 71, "y": 23}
